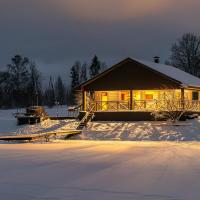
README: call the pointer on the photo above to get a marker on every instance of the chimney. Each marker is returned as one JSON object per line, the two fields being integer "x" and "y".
{"x": 157, "y": 59}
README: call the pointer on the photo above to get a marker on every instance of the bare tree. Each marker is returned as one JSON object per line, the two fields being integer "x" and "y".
{"x": 50, "y": 94}
{"x": 60, "y": 91}
{"x": 185, "y": 54}
{"x": 34, "y": 84}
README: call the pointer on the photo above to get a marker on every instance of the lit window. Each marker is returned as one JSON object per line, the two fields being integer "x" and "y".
{"x": 149, "y": 96}
{"x": 104, "y": 94}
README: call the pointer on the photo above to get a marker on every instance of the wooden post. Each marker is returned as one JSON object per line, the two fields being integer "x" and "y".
{"x": 182, "y": 99}
{"x": 83, "y": 100}
{"x": 131, "y": 99}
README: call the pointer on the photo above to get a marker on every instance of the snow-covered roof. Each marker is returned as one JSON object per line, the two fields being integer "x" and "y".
{"x": 185, "y": 78}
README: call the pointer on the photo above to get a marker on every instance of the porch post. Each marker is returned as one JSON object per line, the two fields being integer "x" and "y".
{"x": 83, "y": 100}
{"x": 131, "y": 99}
{"x": 182, "y": 99}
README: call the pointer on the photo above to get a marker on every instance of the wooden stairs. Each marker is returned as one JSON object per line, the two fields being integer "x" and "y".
{"x": 88, "y": 117}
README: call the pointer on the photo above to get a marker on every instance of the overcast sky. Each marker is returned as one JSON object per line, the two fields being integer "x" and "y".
{"x": 55, "y": 33}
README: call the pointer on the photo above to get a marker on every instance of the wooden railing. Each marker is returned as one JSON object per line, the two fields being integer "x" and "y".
{"x": 144, "y": 105}
{"x": 109, "y": 105}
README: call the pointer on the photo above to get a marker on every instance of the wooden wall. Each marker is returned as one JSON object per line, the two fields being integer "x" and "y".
{"x": 131, "y": 75}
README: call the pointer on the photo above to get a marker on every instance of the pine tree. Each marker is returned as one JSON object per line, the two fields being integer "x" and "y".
{"x": 75, "y": 80}
{"x": 60, "y": 91}
{"x": 18, "y": 79}
{"x": 95, "y": 67}
{"x": 83, "y": 73}
{"x": 75, "y": 73}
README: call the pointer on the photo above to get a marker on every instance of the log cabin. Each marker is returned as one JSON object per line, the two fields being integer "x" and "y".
{"x": 132, "y": 89}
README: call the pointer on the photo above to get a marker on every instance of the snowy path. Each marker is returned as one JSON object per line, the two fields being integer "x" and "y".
{"x": 78, "y": 170}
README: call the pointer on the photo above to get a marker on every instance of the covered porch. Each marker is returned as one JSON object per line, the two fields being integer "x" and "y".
{"x": 140, "y": 100}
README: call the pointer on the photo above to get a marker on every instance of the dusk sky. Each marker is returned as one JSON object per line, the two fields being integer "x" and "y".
{"x": 55, "y": 33}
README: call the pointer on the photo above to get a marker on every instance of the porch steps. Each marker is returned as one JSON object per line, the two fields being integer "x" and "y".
{"x": 88, "y": 117}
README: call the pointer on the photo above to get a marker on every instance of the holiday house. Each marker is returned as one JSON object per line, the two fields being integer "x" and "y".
{"x": 133, "y": 89}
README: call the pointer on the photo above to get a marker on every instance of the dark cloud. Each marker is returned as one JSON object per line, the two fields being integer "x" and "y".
{"x": 55, "y": 33}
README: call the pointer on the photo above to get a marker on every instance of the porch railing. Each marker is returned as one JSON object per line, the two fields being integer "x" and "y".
{"x": 144, "y": 105}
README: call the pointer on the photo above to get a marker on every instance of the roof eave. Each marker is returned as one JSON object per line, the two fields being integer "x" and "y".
{"x": 193, "y": 87}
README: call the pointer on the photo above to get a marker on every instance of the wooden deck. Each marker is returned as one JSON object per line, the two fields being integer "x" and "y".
{"x": 46, "y": 136}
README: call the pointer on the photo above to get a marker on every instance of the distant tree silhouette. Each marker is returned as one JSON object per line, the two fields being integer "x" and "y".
{"x": 50, "y": 94}
{"x": 83, "y": 73}
{"x": 17, "y": 79}
{"x": 185, "y": 54}
{"x": 75, "y": 79}
{"x": 95, "y": 67}
{"x": 34, "y": 85}
{"x": 60, "y": 91}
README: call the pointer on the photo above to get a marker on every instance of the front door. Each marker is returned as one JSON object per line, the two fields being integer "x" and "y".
{"x": 104, "y": 100}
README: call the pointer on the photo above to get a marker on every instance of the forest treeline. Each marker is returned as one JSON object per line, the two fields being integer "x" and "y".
{"x": 22, "y": 84}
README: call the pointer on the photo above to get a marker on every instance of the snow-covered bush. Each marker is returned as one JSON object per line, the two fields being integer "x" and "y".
{"x": 172, "y": 110}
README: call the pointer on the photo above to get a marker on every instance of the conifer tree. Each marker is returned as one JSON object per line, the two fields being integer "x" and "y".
{"x": 18, "y": 79}
{"x": 83, "y": 73}
{"x": 75, "y": 79}
{"x": 95, "y": 67}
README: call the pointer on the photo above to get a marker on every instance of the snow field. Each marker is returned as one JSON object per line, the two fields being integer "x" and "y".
{"x": 76, "y": 170}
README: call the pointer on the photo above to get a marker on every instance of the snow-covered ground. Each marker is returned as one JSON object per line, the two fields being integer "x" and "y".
{"x": 102, "y": 170}
{"x": 7, "y": 121}
{"x": 8, "y": 124}
{"x": 111, "y": 170}
{"x": 48, "y": 126}
{"x": 124, "y": 131}
{"x": 139, "y": 131}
